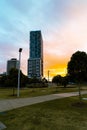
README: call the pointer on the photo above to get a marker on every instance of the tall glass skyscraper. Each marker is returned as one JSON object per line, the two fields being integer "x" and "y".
{"x": 35, "y": 62}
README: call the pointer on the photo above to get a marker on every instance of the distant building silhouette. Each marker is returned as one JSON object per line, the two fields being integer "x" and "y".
{"x": 35, "y": 62}
{"x": 13, "y": 63}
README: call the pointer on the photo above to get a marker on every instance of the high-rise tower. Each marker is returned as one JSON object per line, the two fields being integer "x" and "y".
{"x": 13, "y": 63}
{"x": 35, "y": 62}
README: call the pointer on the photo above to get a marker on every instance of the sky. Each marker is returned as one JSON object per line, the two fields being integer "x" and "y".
{"x": 63, "y": 24}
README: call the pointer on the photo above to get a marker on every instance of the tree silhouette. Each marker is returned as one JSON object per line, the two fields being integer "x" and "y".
{"x": 57, "y": 79}
{"x": 77, "y": 69}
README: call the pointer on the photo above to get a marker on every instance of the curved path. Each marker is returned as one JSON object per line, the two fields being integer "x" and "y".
{"x": 9, "y": 104}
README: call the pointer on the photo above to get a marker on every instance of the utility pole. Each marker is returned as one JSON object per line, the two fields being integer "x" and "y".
{"x": 48, "y": 75}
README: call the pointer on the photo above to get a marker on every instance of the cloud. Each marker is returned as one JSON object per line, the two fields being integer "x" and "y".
{"x": 64, "y": 40}
{"x": 63, "y": 24}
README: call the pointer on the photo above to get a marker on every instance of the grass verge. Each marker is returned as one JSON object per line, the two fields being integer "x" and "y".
{"x": 32, "y": 92}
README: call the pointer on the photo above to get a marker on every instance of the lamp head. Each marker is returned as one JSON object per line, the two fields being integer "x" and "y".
{"x": 20, "y": 49}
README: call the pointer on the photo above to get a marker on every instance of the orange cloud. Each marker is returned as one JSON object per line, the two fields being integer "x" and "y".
{"x": 55, "y": 64}
{"x": 65, "y": 40}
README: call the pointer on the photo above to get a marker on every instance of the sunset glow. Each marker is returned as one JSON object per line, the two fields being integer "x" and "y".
{"x": 63, "y": 24}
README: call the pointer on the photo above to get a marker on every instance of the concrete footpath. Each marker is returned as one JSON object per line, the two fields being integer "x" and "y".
{"x": 9, "y": 104}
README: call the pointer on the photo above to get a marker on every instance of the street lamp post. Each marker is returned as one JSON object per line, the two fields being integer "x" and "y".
{"x": 20, "y": 50}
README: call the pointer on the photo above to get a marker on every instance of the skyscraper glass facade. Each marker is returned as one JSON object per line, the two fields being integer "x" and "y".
{"x": 35, "y": 62}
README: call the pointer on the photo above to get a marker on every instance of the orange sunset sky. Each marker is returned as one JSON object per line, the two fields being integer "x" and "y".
{"x": 63, "y": 24}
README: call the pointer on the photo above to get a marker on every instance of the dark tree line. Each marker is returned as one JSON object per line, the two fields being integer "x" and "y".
{"x": 11, "y": 80}
{"x": 76, "y": 70}
{"x": 59, "y": 80}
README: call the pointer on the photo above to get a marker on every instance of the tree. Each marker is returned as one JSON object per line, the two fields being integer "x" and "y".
{"x": 13, "y": 75}
{"x": 2, "y": 80}
{"x": 77, "y": 68}
{"x": 11, "y": 80}
{"x": 65, "y": 81}
{"x": 57, "y": 79}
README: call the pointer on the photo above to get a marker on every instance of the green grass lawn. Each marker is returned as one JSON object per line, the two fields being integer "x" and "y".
{"x": 58, "y": 114}
{"x": 31, "y": 92}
